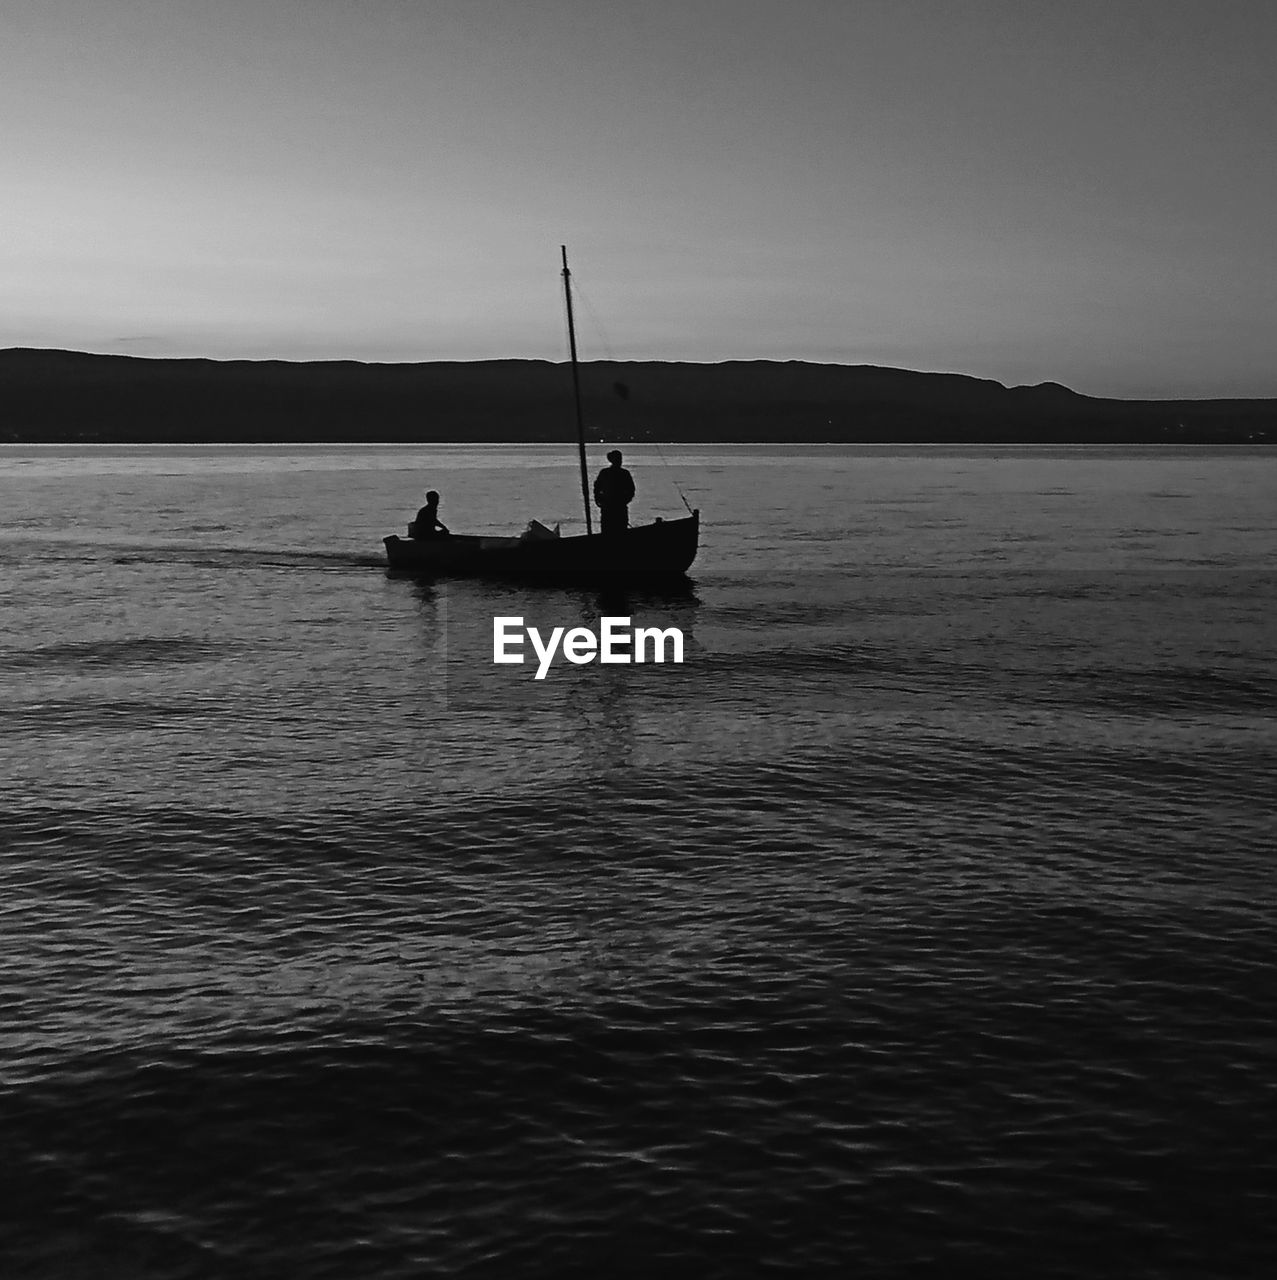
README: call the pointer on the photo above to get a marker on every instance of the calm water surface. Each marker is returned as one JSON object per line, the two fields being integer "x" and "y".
{"x": 921, "y": 922}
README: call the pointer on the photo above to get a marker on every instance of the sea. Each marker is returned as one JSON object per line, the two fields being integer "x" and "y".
{"x": 921, "y": 922}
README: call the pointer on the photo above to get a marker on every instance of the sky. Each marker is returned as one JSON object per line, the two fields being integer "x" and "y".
{"x": 1028, "y": 191}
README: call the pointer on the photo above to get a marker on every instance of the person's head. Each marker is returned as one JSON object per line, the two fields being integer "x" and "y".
{"x": 432, "y": 499}
{"x": 615, "y": 457}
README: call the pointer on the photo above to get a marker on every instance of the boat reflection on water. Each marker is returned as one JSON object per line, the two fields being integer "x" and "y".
{"x": 675, "y": 597}
{"x": 594, "y": 719}
{"x": 455, "y": 659}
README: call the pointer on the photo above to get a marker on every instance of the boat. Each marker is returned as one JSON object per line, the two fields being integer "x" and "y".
{"x": 664, "y": 549}
{"x": 661, "y": 551}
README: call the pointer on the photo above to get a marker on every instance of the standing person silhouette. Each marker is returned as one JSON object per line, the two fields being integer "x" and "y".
{"x": 613, "y": 492}
{"x": 427, "y": 524}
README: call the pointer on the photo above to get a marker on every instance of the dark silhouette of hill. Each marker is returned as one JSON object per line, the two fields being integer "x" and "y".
{"x": 49, "y": 396}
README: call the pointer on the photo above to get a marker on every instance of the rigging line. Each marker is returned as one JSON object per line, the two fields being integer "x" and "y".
{"x": 678, "y": 488}
{"x": 582, "y": 297}
{"x": 604, "y": 341}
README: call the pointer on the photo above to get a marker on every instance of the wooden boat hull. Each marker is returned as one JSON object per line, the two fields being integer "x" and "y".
{"x": 650, "y": 552}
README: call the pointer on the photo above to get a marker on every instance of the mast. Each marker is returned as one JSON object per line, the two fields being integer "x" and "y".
{"x": 576, "y": 390}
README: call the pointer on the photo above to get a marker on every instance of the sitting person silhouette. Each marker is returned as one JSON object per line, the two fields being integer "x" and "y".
{"x": 613, "y": 491}
{"x": 427, "y": 524}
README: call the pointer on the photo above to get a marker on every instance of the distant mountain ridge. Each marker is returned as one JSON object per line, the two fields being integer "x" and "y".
{"x": 52, "y": 396}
